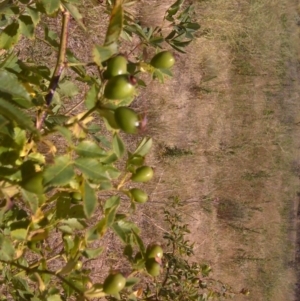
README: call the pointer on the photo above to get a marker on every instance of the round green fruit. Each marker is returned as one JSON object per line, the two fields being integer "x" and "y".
{"x": 114, "y": 283}
{"x": 78, "y": 265}
{"x": 34, "y": 184}
{"x": 139, "y": 195}
{"x": 154, "y": 251}
{"x": 152, "y": 267}
{"x": 127, "y": 120}
{"x": 116, "y": 66}
{"x": 163, "y": 60}
{"x": 76, "y": 196}
{"x": 120, "y": 87}
{"x": 142, "y": 174}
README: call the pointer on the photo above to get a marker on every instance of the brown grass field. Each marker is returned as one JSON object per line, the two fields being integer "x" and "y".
{"x": 226, "y": 140}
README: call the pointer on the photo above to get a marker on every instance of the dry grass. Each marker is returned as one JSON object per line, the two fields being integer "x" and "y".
{"x": 229, "y": 113}
{"x": 234, "y": 109}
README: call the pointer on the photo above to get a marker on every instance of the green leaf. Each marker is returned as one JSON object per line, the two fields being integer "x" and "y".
{"x": 89, "y": 199}
{"x": 76, "y": 212}
{"x": 9, "y": 84}
{"x": 174, "y": 8}
{"x": 103, "y": 53}
{"x": 60, "y": 173}
{"x": 90, "y": 149}
{"x": 92, "y": 168}
{"x": 120, "y": 232}
{"x": 110, "y": 215}
{"x": 131, "y": 281}
{"x": 92, "y": 234}
{"x": 75, "y": 14}
{"x": 144, "y": 147}
{"x": 68, "y": 267}
{"x": 19, "y": 234}
{"x": 32, "y": 199}
{"x": 55, "y": 297}
{"x": 93, "y": 253}
{"x": 63, "y": 204}
{"x": 74, "y": 223}
{"x": 34, "y": 14}
{"x": 16, "y": 115}
{"x": 10, "y": 35}
{"x": 139, "y": 241}
{"x": 27, "y": 26}
{"x": 6, "y": 249}
{"x": 68, "y": 88}
{"x": 118, "y": 145}
{"x": 111, "y": 202}
{"x": 91, "y": 97}
{"x": 50, "y": 6}
{"x": 115, "y": 24}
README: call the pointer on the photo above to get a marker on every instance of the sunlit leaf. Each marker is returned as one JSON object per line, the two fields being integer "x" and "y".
{"x": 89, "y": 199}
{"x": 38, "y": 235}
{"x": 118, "y": 146}
{"x": 75, "y": 14}
{"x": 50, "y": 6}
{"x": 34, "y": 14}
{"x": 9, "y": 36}
{"x": 60, "y": 173}
{"x": 90, "y": 149}
{"x": 9, "y": 84}
{"x": 92, "y": 168}
{"x": 68, "y": 88}
{"x": 103, "y": 53}
{"x": 16, "y": 115}
{"x": 26, "y": 26}
{"x": 91, "y": 97}
{"x": 19, "y": 234}
{"x": 115, "y": 24}
{"x": 6, "y": 248}
{"x": 111, "y": 202}
{"x": 93, "y": 253}
{"x": 144, "y": 147}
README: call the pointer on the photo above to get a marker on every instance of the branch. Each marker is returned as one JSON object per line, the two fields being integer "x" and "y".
{"x": 33, "y": 270}
{"x": 60, "y": 65}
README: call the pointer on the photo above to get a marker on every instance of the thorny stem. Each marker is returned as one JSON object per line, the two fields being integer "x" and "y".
{"x": 60, "y": 65}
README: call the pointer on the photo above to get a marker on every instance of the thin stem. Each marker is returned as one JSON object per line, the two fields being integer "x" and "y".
{"x": 33, "y": 270}
{"x": 60, "y": 65}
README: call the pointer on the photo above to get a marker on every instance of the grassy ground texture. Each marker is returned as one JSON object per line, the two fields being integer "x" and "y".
{"x": 225, "y": 131}
{"x": 226, "y": 134}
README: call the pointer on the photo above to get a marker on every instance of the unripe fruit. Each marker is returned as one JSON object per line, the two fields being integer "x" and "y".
{"x": 76, "y": 196}
{"x": 114, "y": 283}
{"x": 78, "y": 265}
{"x": 154, "y": 251}
{"x": 163, "y": 60}
{"x": 138, "y": 195}
{"x": 142, "y": 174}
{"x": 152, "y": 267}
{"x": 120, "y": 87}
{"x": 127, "y": 120}
{"x": 34, "y": 184}
{"x": 116, "y": 66}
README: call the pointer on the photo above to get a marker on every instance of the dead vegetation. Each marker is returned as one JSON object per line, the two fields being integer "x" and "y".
{"x": 225, "y": 138}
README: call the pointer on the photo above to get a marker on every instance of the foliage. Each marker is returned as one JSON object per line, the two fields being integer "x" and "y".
{"x": 58, "y": 204}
